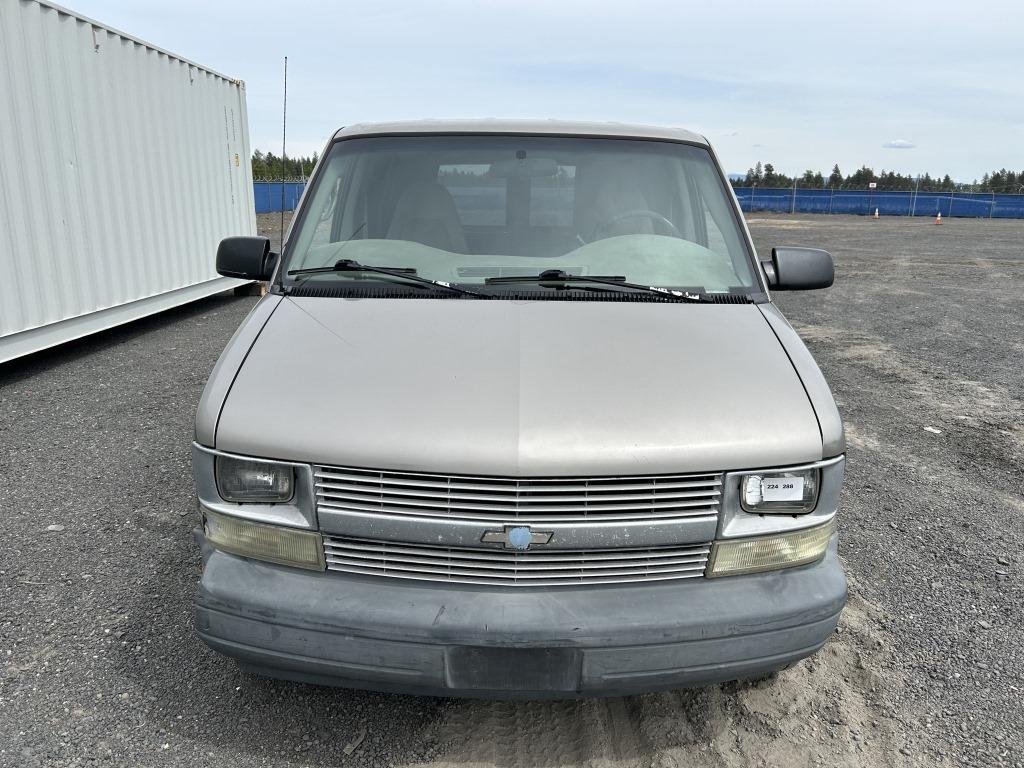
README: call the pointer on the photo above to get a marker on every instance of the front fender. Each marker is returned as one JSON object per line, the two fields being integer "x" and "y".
{"x": 833, "y": 437}
{"x": 228, "y": 364}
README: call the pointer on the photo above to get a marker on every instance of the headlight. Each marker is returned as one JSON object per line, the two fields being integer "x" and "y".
{"x": 274, "y": 543}
{"x": 766, "y": 553}
{"x": 789, "y": 493}
{"x": 248, "y": 480}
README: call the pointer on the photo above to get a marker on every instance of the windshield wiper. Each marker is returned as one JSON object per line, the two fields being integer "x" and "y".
{"x": 402, "y": 273}
{"x": 618, "y": 281}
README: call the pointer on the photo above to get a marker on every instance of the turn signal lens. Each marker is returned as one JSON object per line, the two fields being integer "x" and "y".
{"x": 273, "y": 543}
{"x": 766, "y": 553}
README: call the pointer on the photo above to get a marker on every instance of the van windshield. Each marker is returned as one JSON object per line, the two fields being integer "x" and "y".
{"x": 462, "y": 209}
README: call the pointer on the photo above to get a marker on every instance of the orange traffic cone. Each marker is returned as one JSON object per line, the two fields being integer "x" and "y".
{"x": 876, "y": 213}
{"x": 938, "y": 217}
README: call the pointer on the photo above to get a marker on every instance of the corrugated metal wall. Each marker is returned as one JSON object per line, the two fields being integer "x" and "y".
{"x": 121, "y": 168}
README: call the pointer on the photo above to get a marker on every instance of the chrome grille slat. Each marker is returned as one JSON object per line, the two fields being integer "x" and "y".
{"x": 533, "y": 500}
{"x": 523, "y": 505}
{"x": 337, "y": 544}
{"x": 501, "y": 567}
{"x": 492, "y": 582}
{"x": 515, "y": 486}
{"x": 492, "y": 565}
{"x": 506, "y": 517}
{"x": 582, "y": 574}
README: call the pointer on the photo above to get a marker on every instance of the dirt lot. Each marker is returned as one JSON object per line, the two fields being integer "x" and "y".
{"x": 922, "y": 340}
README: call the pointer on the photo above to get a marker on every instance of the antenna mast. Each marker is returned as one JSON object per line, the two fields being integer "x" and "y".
{"x": 284, "y": 136}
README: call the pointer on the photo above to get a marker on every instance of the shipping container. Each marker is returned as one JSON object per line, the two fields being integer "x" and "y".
{"x": 121, "y": 167}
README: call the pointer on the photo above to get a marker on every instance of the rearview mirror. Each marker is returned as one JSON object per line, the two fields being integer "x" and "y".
{"x": 248, "y": 258}
{"x": 526, "y": 168}
{"x": 799, "y": 269}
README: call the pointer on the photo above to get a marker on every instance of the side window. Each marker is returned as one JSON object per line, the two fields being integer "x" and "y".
{"x": 479, "y": 198}
{"x": 553, "y": 198}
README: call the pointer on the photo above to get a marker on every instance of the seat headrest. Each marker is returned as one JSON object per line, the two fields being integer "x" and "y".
{"x": 426, "y": 214}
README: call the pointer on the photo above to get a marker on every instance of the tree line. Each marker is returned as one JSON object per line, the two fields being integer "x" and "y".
{"x": 269, "y": 167}
{"x": 766, "y": 176}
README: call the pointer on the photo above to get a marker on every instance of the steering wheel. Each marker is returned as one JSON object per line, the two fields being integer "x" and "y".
{"x": 645, "y": 213}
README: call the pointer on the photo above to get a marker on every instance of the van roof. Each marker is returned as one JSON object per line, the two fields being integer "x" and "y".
{"x": 542, "y": 127}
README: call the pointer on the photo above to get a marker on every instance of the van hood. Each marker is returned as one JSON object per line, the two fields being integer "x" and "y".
{"x": 519, "y": 388}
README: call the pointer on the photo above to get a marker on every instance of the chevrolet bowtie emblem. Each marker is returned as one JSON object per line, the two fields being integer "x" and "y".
{"x": 517, "y": 537}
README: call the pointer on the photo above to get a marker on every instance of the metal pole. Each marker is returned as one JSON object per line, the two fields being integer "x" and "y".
{"x": 792, "y": 205}
{"x": 913, "y": 204}
{"x": 831, "y": 197}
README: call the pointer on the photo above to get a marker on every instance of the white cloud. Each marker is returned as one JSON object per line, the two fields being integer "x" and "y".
{"x": 898, "y": 144}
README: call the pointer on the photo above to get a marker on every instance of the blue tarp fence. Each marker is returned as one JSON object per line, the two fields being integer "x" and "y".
{"x": 986, "y": 205}
{"x": 864, "y": 201}
{"x": 268, "y": 195}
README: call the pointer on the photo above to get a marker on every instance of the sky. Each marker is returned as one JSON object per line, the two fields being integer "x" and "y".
{"x": 908, "y": 86}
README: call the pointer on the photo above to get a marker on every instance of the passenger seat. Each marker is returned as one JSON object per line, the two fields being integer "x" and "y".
{"x": 426, "y": 214}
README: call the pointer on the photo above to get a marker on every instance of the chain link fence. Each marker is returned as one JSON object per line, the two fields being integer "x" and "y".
{"x": 983, "y": 205}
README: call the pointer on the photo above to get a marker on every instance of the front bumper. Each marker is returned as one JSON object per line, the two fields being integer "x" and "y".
{"x": 456, "y": 640}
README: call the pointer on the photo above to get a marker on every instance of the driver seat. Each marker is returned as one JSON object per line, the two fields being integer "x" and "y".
{"x": 607, "y": 192}
{"x": 426, "y": 214}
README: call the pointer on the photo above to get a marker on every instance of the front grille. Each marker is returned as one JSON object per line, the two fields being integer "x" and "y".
{"x": 535, "y": 568}
{"x": 521, "y": 500}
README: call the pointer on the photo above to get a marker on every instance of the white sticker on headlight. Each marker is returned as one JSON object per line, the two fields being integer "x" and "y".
{"x": 783, "y": 488}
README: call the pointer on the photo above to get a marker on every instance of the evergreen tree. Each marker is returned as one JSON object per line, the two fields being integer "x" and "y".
{"x": 269, "y": 167}
{"x": 861, "y": 177}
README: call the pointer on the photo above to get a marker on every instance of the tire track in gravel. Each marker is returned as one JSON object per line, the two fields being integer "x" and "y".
{"x": 834, "y": 709}
{"x": 598, "y": 733}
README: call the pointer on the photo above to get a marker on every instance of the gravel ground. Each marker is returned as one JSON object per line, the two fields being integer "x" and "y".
{"x": 270, "y": 225}
{"x": 921, "y": 339}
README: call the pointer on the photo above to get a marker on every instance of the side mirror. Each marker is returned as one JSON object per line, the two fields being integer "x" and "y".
{"x": 249, "y": 258}
{"x": 799, "y": 269}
